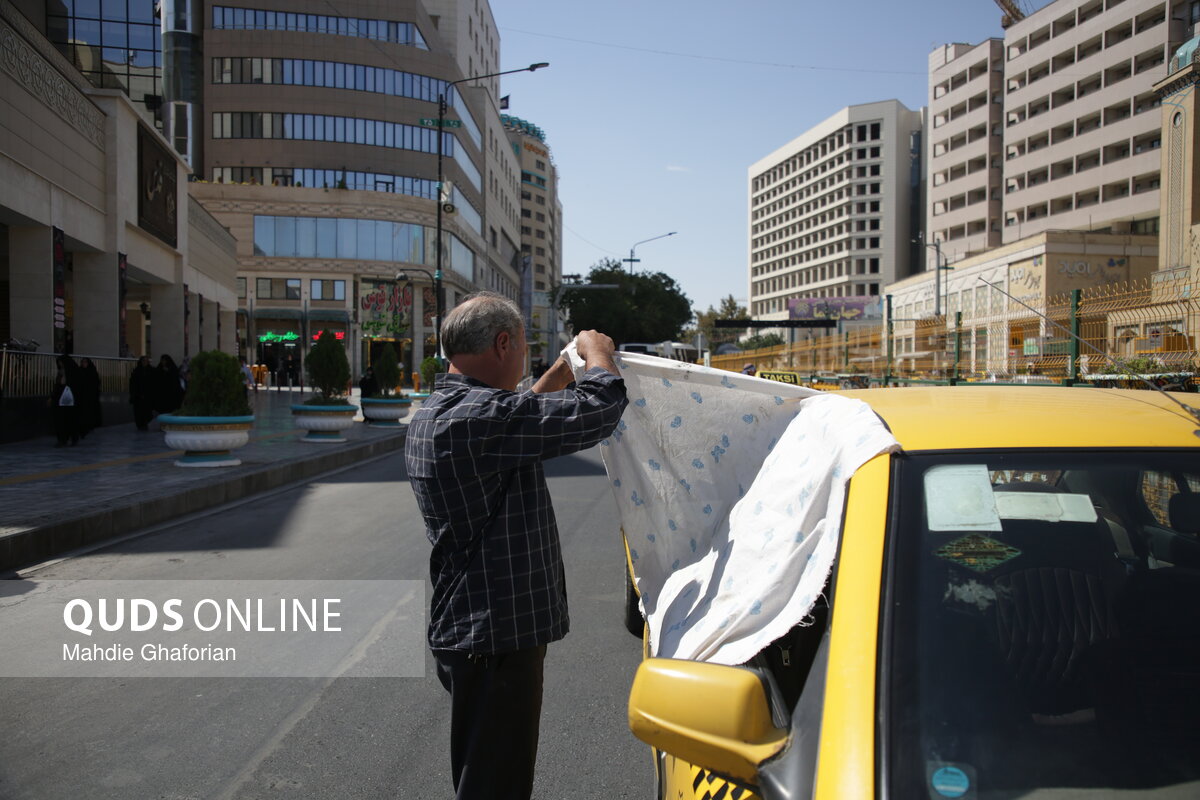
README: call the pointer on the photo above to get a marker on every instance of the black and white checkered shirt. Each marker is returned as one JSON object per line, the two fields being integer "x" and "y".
{"x": 474, "y": 456}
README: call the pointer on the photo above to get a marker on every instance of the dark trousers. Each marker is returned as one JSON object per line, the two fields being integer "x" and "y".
{"x": 66, "y": 424}
{"x": 496, "y": 706}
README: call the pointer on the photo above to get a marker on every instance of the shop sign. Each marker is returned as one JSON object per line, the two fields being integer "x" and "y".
{"x": 157, "y": 189}
{"x": 339, "y": 335}
{"x": 385, "y": 307}
{"x": 270, "y": 336}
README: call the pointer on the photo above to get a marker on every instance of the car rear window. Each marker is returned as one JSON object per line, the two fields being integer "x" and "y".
{"x": 1042, "y": 627}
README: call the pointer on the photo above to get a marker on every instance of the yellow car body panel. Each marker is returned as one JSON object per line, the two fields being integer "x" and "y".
{"x": 846, "y": 763}
{"x": 964, "y": 418}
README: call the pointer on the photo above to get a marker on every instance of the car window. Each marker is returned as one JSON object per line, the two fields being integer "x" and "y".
{"x": 1158, "y": 487}
{"x": 1034, "y": 644}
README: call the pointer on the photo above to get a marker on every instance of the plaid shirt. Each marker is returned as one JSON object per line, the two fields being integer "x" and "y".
{"x": 474, "y": 456}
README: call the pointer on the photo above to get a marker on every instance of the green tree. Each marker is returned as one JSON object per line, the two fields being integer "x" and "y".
{"x": 645, "y": 306}
{"x": 387, "y": 369}
{"x": 327, "y": 367}
{"x": 728, "y": 309}
{"x": 216, "y": 387}
{"x": 761, "y": 340}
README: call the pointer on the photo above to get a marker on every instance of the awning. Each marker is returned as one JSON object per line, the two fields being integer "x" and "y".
{"x": 329, "y": 315}
{"x": 277, "y": 313}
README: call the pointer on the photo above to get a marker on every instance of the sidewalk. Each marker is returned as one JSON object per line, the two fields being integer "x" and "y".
{"x": 119, "y": 479}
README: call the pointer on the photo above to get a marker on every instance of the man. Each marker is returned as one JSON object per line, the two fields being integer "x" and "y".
{"x": 748, "y": 369}
{"x": 474, "y": 455}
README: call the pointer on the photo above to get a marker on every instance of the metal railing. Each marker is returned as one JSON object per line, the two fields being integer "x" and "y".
{"x": 24, "y": 374}
{"x": 1143, "y": 328}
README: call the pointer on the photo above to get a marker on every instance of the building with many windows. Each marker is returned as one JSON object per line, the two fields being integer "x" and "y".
{"x": 965, "y": 149}
{"x": 102, "y": 253}
{"x": 834, "y": 212}
{"x": 541, "y": 237}
{"x": 321, "y": 155}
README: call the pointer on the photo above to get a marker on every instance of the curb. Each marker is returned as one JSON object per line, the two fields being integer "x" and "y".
{"x": 25, "y": 548}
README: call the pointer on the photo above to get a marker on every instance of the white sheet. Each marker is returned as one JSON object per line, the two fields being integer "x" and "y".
{"x": 730, "y": 490}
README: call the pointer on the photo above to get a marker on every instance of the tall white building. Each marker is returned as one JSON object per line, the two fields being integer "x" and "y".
{"x": 1082, "y": 128}
{"x": 834, "y": 211}
{"x": 965, "y": 149}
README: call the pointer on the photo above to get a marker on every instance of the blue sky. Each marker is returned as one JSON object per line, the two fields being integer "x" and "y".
{"x": 655, "y": 110}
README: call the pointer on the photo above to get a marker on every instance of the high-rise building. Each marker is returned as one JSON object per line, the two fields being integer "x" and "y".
{"x": 1082, "y": 129}
{"x": 321, "y": 155}
{"x": 541, "y": 237}
{"x": 965, "y": 149}
{"x": 835, "y": 212}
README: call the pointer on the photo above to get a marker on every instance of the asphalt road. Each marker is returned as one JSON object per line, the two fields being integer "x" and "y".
{"x": 177, "y": 738}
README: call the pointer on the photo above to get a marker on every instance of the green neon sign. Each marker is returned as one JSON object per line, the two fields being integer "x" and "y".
{"x": 278, "y": 337}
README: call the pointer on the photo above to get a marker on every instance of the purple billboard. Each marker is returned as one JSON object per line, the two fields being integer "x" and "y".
{"x": 847, "y": 308}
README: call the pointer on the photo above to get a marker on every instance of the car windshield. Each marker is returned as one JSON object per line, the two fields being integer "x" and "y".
{"x": 1043, "y": 626}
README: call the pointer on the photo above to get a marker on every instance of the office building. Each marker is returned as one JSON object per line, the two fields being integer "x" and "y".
{"x": 834, "y": 212}
{"x": 321, "y": 155}
{"x": 965, "y": 150}
{"x": 541, "y": 237}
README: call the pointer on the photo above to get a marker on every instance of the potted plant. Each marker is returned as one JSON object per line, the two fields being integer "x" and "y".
{"x": 385, "y": 409}
{"x": 330, "y": 413}
{"x": 215, "y": 418}
{"x": 430, "y": 367}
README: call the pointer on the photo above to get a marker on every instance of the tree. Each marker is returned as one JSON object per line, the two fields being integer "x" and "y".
{"x": 761, "y": 340}
{"x": 729, "y": 309}
{"x": 645, "y": 307}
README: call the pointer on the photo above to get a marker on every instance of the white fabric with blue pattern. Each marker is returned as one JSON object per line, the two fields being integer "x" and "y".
{"x": 730, "y": 490}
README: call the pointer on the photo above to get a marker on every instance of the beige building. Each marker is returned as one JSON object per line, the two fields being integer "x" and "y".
{"x": 101, "y": 252}
{"x": 834, "y": 212}
{"x": 965, "y": 149}
{"x": 321, "y": 153}
{"x": 1082, "y": 130}
{"x": 541, "y": 237}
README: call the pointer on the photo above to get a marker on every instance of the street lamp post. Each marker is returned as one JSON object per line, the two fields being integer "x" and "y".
{"x": 441, "y": 202}
{"x": 937, "y": 274}
{"x": 633, "y": 260}
{"x": 402, "y": 275}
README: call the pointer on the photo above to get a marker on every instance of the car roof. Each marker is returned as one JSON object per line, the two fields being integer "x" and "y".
{"x": 969, "y": 417}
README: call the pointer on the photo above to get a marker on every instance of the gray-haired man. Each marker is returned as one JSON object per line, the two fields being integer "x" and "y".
{"x": 474, "y": 455}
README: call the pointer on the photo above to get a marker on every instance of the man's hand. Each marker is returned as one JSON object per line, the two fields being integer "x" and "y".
{"x": 554, "y": 379}
{"x": 596, "y": 350}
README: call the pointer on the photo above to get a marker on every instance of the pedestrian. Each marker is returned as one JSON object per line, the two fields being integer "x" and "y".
{"x": 368, "y": 385}
{"x": 247, "y": 377}
{"x": 142, "y": 383}
{"x": 474, "y": 458}
{"x": 748, "y": 369}
{"x": 87, "y": 401}
{"x": 168, "y": 391}
{"x": 62, "y": 403}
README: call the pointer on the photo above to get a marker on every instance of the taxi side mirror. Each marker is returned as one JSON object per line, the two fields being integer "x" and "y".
{"x": 712, "y": 716}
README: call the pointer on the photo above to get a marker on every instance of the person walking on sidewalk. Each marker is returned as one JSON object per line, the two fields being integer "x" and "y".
{"x": 87, "y": 403}
{"x": 168, "y": 391}
{"x": 141, "y": 393}
{"x": 474, "y": 457}
{"x": 63, "y": 403}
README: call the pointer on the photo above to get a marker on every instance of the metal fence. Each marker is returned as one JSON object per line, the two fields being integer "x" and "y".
{"x": 1124, "y": 332}
{"x": 31, "y": 375}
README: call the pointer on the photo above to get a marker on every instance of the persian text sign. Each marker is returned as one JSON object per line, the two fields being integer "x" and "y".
{"x": 848, "y": 308}
{"x": 212, "y": 629}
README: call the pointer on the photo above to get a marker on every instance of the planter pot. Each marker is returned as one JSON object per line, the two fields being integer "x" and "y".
{"x": 206, "y": 441}
{"x": 324, "y": 423}
{"x": 385, "y": 412}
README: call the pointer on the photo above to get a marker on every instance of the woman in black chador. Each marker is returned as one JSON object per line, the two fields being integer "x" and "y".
{"x": 169, "y": 391}
{"x": 87, "y": 404}
{"x": 142, "y": 382}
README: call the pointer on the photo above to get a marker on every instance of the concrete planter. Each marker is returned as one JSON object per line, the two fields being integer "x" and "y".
{"x": 385, "y": 412}
{"x": 206, "y": 441}
{"x": 324, "y": 423}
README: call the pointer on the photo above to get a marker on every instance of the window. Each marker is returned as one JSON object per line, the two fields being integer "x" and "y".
{"x": 241, "y": 288}
{"x": 327, "y": 290}
{"x": 277, "y": 288}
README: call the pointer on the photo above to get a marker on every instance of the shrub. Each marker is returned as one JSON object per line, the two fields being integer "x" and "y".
{"x": 327, "y": 367}
{"x": 216, "y": 387}
{"x": 1133, "y": 366}
{"x": 387, "y": 369}
{"x": 430, "y": 367}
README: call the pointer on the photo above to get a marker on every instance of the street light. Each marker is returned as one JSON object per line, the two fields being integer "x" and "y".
{"x": 633, "y": 260}
{"x": 937, "y": 273}
{"x": 437, "y": 276}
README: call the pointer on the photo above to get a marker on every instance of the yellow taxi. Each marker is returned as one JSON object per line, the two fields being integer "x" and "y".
{"x": 1014, "y": 613}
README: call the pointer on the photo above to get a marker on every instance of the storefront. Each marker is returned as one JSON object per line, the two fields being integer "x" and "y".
{"x": 277, "y": 340}
{"x": 385, "y": 314}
